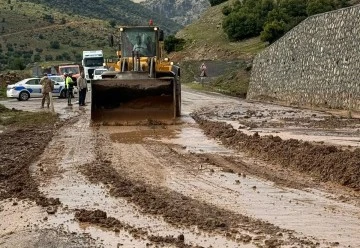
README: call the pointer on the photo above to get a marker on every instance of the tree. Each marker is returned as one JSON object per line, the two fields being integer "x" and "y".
{"x": 112, "y": 23}
{"x": 273, "y": 31}
{"x": 37, "y": 58}
{"x": 294, "y": 7}
{"x": 319, "y": 6}
{"x": 171, "y": 43}
{"x": 240, "y": 25}
{"x": 16, "y": 64}
{"x": 55, "y": 44}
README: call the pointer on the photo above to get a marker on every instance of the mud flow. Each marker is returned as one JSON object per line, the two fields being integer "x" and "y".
{"x": 193, "y": 184}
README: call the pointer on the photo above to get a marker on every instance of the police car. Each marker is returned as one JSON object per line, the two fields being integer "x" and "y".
{"x": 31, "y": 87}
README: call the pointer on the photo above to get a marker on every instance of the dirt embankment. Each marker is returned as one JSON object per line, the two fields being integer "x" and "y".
{"x": 328, "y": 163}
{"x": 9, "y": 78}
{"x": 19, "y": 148}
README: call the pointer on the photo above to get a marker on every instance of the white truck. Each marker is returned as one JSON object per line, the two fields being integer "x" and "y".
{"x": 92, "y": 60}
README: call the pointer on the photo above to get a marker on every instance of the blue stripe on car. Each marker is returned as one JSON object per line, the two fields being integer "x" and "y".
{"x": 18, "y": 88}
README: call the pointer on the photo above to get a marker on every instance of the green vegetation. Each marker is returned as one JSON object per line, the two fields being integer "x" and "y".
{"x": 206, "y": 39}
{"x": 216, "y": 2}
{"x": 21, "y": 118}
{"x": 173, "y": 44}
{"x": 271, "y": 18}
{"x": 234, "y": 83}
{"x": 231, "y": 78}
{"x": 44, "y": 31}
{"x": 125, "y": 12}
{"x": 2, "y": 92}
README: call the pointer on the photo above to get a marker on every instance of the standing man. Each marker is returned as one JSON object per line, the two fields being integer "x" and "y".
{"x": 203, "y": 73}
{"x": 82, "y": 86}
{"x": 47, "y": 87}
{"x": 69, "y": 87}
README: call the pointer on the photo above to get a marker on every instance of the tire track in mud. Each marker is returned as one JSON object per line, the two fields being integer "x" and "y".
{"x": 327, "y": 163}
{"x": 182, "y": 211}
{"x": 76, "y": 192}
{"x": 101, "y": 219}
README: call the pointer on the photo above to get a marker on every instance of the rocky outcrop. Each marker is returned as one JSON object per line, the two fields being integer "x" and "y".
{"x": 180, "y": 11}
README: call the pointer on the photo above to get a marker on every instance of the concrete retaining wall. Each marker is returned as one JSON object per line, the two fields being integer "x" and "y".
{"x": 316, "y": 63}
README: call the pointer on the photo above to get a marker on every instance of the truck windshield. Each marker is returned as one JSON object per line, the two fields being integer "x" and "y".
{"x": 89, "y": 62}
{"x": 73, "y": 70}
{"x": 141, "y": 41}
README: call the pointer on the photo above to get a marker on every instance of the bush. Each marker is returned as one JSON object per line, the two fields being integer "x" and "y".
{"x": 171, "y": 44}
{"x": 16, "y": 64}
{"x": 226, "y": 10}
{"x": 240, "y": 25}
{"x": 55, "y": 44}
{"x": 273, "y": 31}
{"x": 216, "y": 2}
{"x": 48, "y": 57}
{"x": 319, "y": 6}
{"x": 37, "y": 58}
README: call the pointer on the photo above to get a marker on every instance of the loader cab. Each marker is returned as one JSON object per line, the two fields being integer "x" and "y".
{"x": 139, "y": 41}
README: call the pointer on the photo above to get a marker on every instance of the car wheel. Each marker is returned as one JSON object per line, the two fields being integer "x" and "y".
{"x": 24, "y": 96}
{"x": 63, "y": 94}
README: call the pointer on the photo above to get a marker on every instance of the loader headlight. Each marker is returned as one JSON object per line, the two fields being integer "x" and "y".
{"x": 171, "y": 63}
{"x": 155, "y": 28}
{"x": 121, "y": 29}
{"x": 166, "y": 59}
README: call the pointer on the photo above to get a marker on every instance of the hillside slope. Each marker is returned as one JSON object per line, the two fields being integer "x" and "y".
{"x": 206, "y": 40}
{"x": 26, "y": 34}
{"x": 180, "y": 11}
{"x": 124, "y": 12}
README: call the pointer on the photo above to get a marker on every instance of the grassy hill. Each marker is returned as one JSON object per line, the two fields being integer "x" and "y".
{"x": 206, "y": 40}
{"x": 228, "y": 63}
{"x": 58, "y": 31}
{"x": 124, "y": 12}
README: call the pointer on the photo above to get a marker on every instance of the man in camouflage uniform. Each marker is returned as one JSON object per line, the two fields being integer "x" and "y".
{"x": 47, "y": 87}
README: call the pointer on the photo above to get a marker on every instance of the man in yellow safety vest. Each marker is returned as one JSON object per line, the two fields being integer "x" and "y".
{"x": 69, "y": 84}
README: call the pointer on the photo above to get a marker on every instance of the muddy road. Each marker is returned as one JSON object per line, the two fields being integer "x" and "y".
{"x": 229, "y": 174}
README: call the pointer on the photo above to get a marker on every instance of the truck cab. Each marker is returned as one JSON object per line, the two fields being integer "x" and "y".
{"x": 92, "y": 60}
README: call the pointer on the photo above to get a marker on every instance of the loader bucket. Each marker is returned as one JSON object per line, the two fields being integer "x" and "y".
{"x": 133, "y": 99}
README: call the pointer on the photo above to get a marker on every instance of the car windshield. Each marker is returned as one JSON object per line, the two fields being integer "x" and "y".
{"x": 99, "y": 72}
{"x": 57, "y": 79}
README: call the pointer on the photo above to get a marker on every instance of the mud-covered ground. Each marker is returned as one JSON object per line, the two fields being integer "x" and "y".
{"x": 231, "y": 174}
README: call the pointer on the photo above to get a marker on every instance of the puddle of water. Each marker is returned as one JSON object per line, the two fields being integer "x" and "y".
{"x": 192, "y": 139}
{"x": 139, "y": 136}
{"x": 287, "y": 208}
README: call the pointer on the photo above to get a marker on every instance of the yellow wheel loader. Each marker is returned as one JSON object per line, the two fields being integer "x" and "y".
{"x": 144, "y": 86}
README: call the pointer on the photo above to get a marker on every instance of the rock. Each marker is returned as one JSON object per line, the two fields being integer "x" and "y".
{"x": 51, "y": 210}
{"x": 181, "y": 237}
